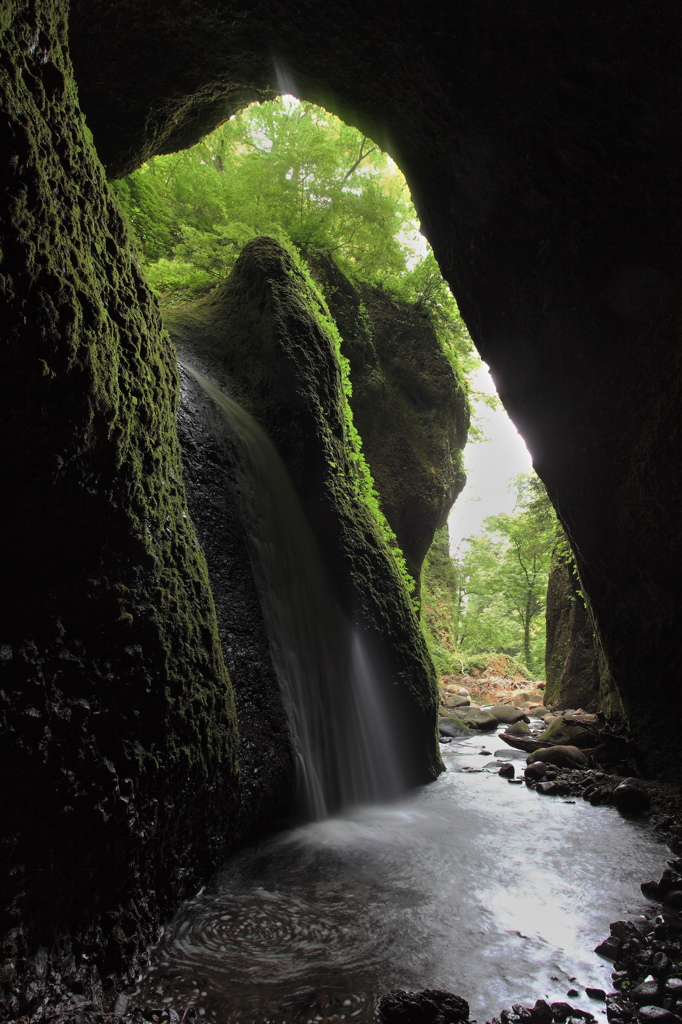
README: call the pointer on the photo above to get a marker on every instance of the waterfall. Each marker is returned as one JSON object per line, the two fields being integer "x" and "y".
{"x": 339, "y": 724}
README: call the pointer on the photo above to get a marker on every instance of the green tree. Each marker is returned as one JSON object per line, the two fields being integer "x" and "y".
{"x": 295, "y": 172}
{"x": 505, "y": 574}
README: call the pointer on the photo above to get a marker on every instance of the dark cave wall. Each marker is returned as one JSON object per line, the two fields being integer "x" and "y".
{"x": 540, "y": 142}
{"x": 118, "y": 771}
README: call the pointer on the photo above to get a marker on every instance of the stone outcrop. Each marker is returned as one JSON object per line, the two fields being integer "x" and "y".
{"x": 409, "y": 406}
{"x": 571, "y": 661}
{"x": 118, "y": 769}
{"x": 260, "y": 337}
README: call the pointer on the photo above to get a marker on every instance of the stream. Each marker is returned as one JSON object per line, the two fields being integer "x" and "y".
{"x": 470, "y": 884}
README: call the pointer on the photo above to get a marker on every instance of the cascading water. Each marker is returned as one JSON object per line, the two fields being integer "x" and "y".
{"x": 340, "y": 729}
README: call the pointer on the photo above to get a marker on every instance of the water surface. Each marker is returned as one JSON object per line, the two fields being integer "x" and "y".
{"x": 470, "y": 884}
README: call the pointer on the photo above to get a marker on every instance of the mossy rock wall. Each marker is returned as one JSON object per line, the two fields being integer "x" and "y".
{"x": 118, "y": 770}
{"x": 260, "y": 336}
{"x": 409, "y": 406}
{"x": 571, "y": 662}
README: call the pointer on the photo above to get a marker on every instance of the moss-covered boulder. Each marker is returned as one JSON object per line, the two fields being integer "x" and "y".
{"x": 265, "y": 337}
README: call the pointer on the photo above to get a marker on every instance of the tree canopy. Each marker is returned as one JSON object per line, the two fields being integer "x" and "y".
{"x": 503, "y": 577}
{"x": 293, "y": 171}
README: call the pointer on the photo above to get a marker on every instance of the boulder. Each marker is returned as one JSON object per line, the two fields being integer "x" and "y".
{"x": 630, "y": 797}
{"x": 451, "y": 700}
{"x": 477, "y": 718}
{"x": 563, "y": 756}
{"x": 563, "y": 732}
{"x": 658, "y": 1015}
{"x": 453, "y": 727}
{"x": 520, "y": 728}
{"x": 430, "y": 1006}
{"x": 507, "y": 714}
{"x": 527, "y": 743}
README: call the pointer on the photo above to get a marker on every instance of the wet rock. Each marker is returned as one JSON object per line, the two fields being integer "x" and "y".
{"x": 566, "y": 732}
{"x": 550, "y": 787}
{"x": 669, "y": 880}
{"x": 673, "y": 899}
{"x": 429, "y": 1006}
{"x": 610, "y": 948}
{"x": 535, "y": 771}
{"x": 561, "y": 756}
{"x": 520, "y": 728}
{"x": 647, "y": 993}
{"x": 651, "y": 890}
{"x": 623, "y": 930}
{"x": 596, "y": 993}
{"x": 507, "y": 714}
{"x": 673, "y": 987}
{"x": 562, "y": 1011}
{"x": 476, "y": 718}
{"x": 541, "y": 1013}
{"x": 657, "y": 1015}
{"x": 453, "y": 728}
{"x": 507, "y": 771}
{"x": 631, "y": 798}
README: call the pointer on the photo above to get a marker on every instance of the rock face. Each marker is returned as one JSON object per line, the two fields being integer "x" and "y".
{"x": 118, "y": 770}
{"x": 411, "y": 410}
{"x": 261, "y": 337}
{"x": 538, "y": 144}
{"x": 571, "y": 659}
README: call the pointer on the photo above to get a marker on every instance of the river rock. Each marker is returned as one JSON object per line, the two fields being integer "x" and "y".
{"x": 507, "y": 714}
{"x": 451, "y": 700}
{"x": 527, "y": 743}
{"x": 630, "y": 797}
{"x": 429, "y": 1006}
{"x": 476, "y": 718}
{"x": 535, "y": 771}
{"x": 561, "y": 732}
{"x": 658, "y": 1015}
{"x": 522, "y": 698}
{"x": 610, "y": 948}
{"x": 647, "y": 993}
{"x": 563, "y": 756}
{"x": 520, "y": 728}
{"x": 669, "y": 880}
{"x": 460, "y": 691}
{"x": 453, "y": 727}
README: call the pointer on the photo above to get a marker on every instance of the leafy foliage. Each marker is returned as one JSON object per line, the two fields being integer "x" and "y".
{"x": 441, "y": 602}
{"x": 505, "y": 573}
{"x": 294, "y": 172}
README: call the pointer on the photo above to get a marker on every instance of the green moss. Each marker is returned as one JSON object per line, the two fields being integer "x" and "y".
{"x": 114, "y": 669}
{"x": 440, "y": 603}
{"x": 361, "y": 475}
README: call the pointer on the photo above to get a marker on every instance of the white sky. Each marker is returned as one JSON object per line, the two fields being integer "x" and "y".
{"x": 490, "y": 465}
